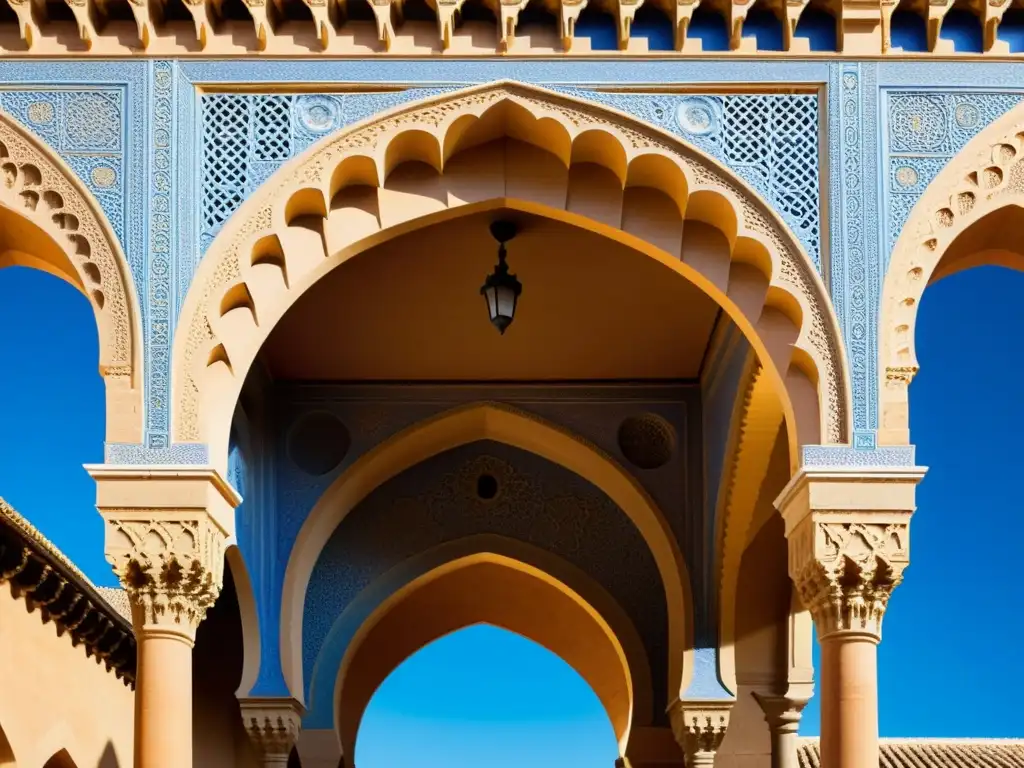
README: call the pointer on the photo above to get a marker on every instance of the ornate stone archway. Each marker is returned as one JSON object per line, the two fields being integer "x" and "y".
{"x": 482, "y": 588}
{"x": 338, "y": 199}
{"x": 518, "y": 430}
{"x": 987, "y": 175}
{"x": 40, "y": 188}
{"x": 326, "y": 678}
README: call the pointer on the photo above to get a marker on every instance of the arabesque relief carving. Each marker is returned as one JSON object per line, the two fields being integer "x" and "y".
{"x": 35, "y": 184}
{"x": 171, "y": 565}
{"x": 212, "y": 353}
{"x": 38, "y": 187}
{"x": 987, "y": 175}
{"x": 845, "y": 572}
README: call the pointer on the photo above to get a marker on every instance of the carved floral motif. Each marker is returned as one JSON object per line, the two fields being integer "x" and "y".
{"x": 37, "y": 187}
{"x": 170, "y": 563}
{"x": 845, "y": 572}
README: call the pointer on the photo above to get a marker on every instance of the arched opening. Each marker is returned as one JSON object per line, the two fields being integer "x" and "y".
{"x": 968, "y": 316}
{"x": 818, "y": 25}
{"x": 965, "y": 219}
{"x": 484, "y": 696}
{"x": 651, "y": 23}
{"x": 356, "y": 318}
{"x": 491, "y": 590}
{"x": 1011, "y": 28}
{"x": 50, "y": 347}
{"x": 908, "y": 27}
{"x": 765, "y": 27}
{"x": 962, "y": 26}
{"x": 710, "y": 26}
{"x": 50, "y": 222}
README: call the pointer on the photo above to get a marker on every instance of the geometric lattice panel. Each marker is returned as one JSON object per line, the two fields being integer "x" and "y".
{"x": 85, "y": 128}
{"x": 248, "y": 137}
{"x": 926, "y": 129}
{"x": 771, "y": 140}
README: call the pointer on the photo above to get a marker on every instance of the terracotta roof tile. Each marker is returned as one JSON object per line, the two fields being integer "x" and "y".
{"x": 933, "y": 753}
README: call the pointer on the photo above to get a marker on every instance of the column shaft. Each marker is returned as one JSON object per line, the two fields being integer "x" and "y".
{"x": 163, "y": 707}
{"x": 849, "y": 701}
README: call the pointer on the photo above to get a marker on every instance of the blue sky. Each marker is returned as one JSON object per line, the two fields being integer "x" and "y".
{"x": 484, "y": 696}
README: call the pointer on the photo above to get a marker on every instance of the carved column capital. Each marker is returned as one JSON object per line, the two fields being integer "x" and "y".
{"x": 849, "y": 543}
{"x": 699, "y": 728}
{"x": 165, "y": 532}
{"x": 273, "y": 726}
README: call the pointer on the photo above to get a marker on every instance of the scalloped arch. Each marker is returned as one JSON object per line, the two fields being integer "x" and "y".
{"x": 415, "y": 166}
{"x": 986, "y": 175}
{"x": 38, "y": 186}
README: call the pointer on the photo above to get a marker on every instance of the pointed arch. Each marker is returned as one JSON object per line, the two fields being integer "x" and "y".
{"x": 985, "y": 178}
{"x": 484, "y": 421}
{"x": 414, "y": 166}
{"x": 66, "y": 233}
{"x": 474, "y": 589}
{"x": 327, "y": 677}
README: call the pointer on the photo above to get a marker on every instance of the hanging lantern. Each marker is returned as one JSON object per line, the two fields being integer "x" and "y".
{"x": 501, "y": 290}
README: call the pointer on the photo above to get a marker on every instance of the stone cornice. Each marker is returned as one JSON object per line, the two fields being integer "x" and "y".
{"x": 44, "y": 578}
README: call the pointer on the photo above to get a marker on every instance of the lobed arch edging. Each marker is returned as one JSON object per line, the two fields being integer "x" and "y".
{"x": 986, "y": 175}
{"x": 430, "y": 131}
{"x": 445, "y": 558}
{"x": 38, "y": 186}
{"x": 460, "y": 426}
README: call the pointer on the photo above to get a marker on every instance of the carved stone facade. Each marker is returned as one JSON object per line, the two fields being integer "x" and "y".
{"x": 260, "y": 232}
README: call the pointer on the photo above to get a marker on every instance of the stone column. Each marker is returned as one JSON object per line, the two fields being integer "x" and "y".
{"x": 782, "y": 713}
{"x": 848, "y": 533}
{"x": 165, "y": 531}
{"x": 273, "y": 726}
{"x": 699, "y": 727}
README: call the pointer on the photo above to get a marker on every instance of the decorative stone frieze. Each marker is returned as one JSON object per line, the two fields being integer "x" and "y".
{"x": 699, "y": 727}
{"x": 273, "y": 726}
{"x": 165, "y": 531}
{"x": 849, "y": 543}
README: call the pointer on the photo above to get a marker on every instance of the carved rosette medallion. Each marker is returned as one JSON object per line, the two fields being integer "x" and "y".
{"x": 171, "y": 565}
